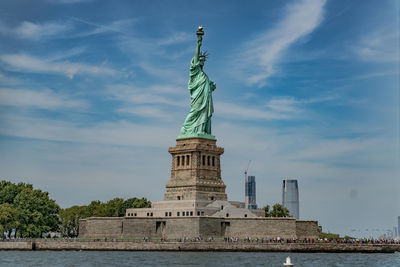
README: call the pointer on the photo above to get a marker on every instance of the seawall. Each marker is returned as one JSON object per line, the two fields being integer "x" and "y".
{"x": 199, "y": 246}
{"x": 16, "y": 245}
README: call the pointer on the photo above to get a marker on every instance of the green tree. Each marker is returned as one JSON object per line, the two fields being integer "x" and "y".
{"x": 36, "y": 213}
{"x": 8, "y": 219}
{"x": 277, "y": 211}
{"x": 70, "y": 219}
{"x": 115, "y": 207}
{"x": 32, "y": 211}
{"x": 130, "y": 203}
{"x": 143, "y": 203}
{"x": 266, "y": 210}
{"x": 8, "y": 191}
{"x": 329, "y": 236}
{"x": 97, "y": 208}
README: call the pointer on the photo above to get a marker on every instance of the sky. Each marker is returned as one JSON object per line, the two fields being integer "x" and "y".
{"x": 93, "y": 92}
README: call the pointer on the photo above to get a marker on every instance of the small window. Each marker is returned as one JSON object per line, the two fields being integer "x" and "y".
{"x": 178, "y": 160}
{"x": 227, "y": 215}
{"x": 191, "y": 213}
{"x": 198, "y": 213}
{"x": 204, "y": 160}
{"x": 245, "y": 215}
{"x": 208, "y": 161}
{"x": 202, "y": 213}
{"x": 187, "y": 213}
{"x": 183, "y": 213}
{"x": 166, "y": 214}
{"x": 212, "y": 198}
{"x": 179, "y": 197}
{"x": 135, "y": 214}
{"x": 177, "y": 214}
{"x": 187, "y": 160}
{"x": 170, "y": 214}
{"x": 148, "y": 214}
{"x": 151, "y": 214}
{"x": 222, "y": 207}
{"x": 213, "y": 161}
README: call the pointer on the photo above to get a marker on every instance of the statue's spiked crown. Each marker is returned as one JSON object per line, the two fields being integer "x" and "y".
{"x": 204, "y": 55}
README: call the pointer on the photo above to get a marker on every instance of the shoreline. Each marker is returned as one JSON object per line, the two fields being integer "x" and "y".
{"x": 73, "y": 245}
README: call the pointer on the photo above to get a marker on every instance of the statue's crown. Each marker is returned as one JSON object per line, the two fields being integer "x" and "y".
{"x": 204, "y": 54}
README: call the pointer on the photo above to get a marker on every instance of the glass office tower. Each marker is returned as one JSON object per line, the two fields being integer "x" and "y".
{"x": 398, "y": 226}
{"x": 290, "y": 197}
{"x": 250, "y": 192}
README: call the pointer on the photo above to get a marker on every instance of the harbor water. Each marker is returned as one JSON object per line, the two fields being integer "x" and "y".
{"x": 138, "y": 258}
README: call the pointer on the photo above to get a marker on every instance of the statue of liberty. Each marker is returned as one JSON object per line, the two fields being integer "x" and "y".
{"x": 198, "y": 121}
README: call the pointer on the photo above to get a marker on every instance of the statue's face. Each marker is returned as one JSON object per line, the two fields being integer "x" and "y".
{"x": 201, "y": 61}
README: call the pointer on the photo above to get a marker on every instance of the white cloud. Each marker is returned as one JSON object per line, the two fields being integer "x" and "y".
{"x": 261, "y": 54}
{"x": 37, "y": 31}
{"x": 148, "y": 112}
{"x": 278, "y": 108}
{"x": 27, "y": 63}
{"x": 123, "y": 26}
{"x": 239, "y": 112}
{"x": 176, "y": 38}
{"x": 156, "y": 94}
{"x": 67, "y": 53}
{"x": 68, "y": 1}
{"x": 379, "y": 46}
{"x": 44, "y": 99}
{"x": 115, "y": 133}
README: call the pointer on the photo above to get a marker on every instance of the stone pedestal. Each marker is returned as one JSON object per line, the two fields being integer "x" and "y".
{"x": 195, "y": 171}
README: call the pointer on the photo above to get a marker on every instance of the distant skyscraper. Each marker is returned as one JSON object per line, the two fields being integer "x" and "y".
{"x": 290, "y": 197}
{"x": 250, "y": 192}
{"x": 398, "y": 226}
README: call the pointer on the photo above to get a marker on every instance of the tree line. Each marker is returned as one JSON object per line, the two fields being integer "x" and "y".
{"x": 29, "y": 212}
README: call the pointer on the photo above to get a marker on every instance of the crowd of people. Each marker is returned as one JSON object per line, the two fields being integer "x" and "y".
{"x": 277, "y": 240}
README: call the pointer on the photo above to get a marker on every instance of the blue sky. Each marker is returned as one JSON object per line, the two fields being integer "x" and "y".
{"x": 92, "y": 94}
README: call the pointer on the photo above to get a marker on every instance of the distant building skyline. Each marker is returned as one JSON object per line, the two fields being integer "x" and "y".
{"x": 290, "y": 197}
{"x": 250, "y": 192}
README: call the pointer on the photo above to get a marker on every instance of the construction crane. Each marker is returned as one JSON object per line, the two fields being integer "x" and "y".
{"x": 245, "y": 171}
{"x": 246, "y": 197}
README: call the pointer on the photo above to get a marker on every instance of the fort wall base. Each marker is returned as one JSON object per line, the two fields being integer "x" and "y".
{"x": 204, "y": 227}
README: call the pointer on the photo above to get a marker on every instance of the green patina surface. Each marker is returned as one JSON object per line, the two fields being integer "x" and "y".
{"x": 198, "y": 121}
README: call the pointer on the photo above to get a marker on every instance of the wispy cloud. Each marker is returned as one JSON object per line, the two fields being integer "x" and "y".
{"x": 68, "y": 1}
{"x": 239, "y": 112}
{"x": 149, "y": 112}
{"x": 44, "y": 99}
{"x": 262, "y": 53}
{"x": 36, "y": 31}
{"x": 115, "y": 133}
{"x": 162, "y": 94}
{"x": 278, "y": 108}
{"x": 27, "y": 63}
{"x": 68, "y": 53}
{"x": 119, "y": 26}
{"x": 381, "y": 45}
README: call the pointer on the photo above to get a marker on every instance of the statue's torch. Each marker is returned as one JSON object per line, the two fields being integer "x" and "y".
{"x": 200, "y": 31}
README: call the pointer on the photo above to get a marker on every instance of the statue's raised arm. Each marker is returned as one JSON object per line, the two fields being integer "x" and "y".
{"x": 200, "y": 34}
{"x": 198, "y": 121}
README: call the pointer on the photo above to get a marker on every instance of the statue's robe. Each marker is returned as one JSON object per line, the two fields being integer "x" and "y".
{"x": 198, "y": 121}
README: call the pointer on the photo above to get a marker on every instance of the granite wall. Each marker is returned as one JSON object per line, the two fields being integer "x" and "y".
{"x": 178, "y": 227}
